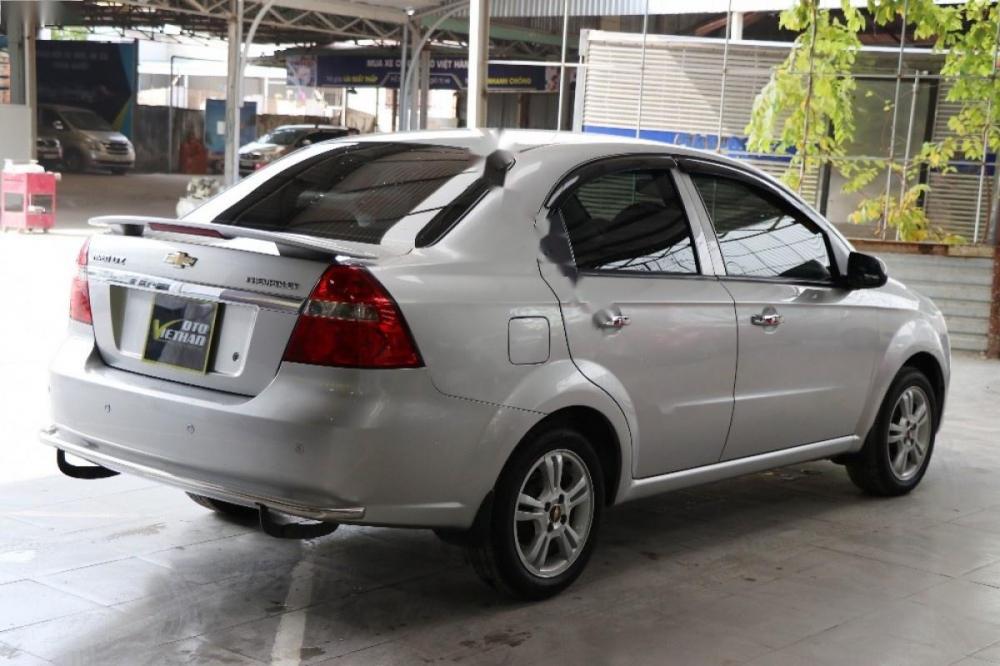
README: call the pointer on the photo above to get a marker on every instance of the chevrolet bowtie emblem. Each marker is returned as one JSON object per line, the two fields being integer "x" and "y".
{"x": 180, "y": 260}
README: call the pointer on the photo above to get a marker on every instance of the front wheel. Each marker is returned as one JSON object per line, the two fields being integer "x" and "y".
{"x": 546, "y": 512}
{"x": 898, "y": 448}
{"x": 74, "y": 161}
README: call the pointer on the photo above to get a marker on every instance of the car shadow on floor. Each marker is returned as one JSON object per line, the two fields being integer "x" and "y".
{"x": 360, "y": 588}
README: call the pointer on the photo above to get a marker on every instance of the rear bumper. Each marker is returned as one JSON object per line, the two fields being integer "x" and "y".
{"x": 377, "y": 447}
{"x": 62, "y": 438}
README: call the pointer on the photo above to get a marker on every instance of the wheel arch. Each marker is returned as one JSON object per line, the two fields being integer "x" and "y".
{"x": 931, "y": 368}
{"x": 913, "y": 342}
{"x": 598, "y": 430}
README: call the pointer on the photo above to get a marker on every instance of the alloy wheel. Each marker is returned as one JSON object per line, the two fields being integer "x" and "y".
{"x": 554, "y": 513}
{"x": 909, "y": 433}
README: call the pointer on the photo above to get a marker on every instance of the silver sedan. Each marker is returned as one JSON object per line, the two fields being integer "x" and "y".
{"x": 495, "y": 335}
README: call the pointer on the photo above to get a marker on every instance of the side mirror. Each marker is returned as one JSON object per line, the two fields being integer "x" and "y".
{"x": 865, "y": 271}
{"x": 305, "y": 142}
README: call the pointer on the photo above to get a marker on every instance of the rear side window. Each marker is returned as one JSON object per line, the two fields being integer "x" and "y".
{"x": 630, "y": 221}
{"x": 353, "y": 193}
{"x": 760, "y": 236}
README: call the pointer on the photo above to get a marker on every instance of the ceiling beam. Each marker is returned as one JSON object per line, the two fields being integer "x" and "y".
{"x": 712, "y": 25}
{"x": 509, "y": 33}
{"x": 308, "y": 20}
{"x": 347, "y": 9}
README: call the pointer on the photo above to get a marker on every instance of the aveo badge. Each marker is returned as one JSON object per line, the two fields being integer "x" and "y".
{"x": 180, "y": 332}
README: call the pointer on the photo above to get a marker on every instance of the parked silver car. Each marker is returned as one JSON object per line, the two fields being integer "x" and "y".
{"x": 87, "y": 140}
{"x": 282, "y": 140}
{"x": 492, "y": 334}
{"x": 48, "y": 152}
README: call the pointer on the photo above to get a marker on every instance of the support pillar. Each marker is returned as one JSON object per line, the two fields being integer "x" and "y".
{"x": 736, "y": 26}
{"x": 425, "y": 89}
{"x": 30, "y": 24}
{"x": 22, "y": 31}
{"x": 479, "y": 47}
{"x": 233, "y": 102}
{"x": 993, "y": 326}
{"x": 399, "y": 111}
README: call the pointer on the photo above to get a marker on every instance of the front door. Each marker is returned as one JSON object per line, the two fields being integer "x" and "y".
{"x": 645, "y": 319}
{"x": 807, "y": 345}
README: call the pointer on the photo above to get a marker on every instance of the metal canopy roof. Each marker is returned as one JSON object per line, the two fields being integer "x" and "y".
{"x": 286, "y": 21}
{"x": 318, "y": 22}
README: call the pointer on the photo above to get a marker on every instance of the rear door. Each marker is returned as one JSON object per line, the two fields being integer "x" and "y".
{"x": 645, "y": 317}
{"x": 807, "y": 345}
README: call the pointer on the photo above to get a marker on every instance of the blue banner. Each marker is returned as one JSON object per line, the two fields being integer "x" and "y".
{"x": 215, "y": 124}
{"x": 99, "y": 76}
{"x": 447, "y": 73}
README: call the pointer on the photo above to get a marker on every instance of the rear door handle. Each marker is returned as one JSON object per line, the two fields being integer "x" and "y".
{"x": 766, "y": 318}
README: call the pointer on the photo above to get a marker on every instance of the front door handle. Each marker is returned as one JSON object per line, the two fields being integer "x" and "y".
{"x": 769, "y": 318}
{"x": 616, "y": 321}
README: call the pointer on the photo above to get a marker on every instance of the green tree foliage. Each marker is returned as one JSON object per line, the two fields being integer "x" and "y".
{"x": 807, "y": 107}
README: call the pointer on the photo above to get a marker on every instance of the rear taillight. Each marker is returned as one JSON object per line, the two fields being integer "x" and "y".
{"x": 351, "y": 321}
{"x": 79, "y": 295}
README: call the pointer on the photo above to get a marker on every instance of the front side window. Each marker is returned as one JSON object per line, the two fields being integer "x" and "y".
{"x": 761, "y": 237}
{"x": 355, "y": 192}
{"x": 630, "y": 221}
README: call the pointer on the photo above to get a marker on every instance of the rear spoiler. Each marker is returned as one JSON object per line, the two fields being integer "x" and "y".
{"x": 289, "y": 244}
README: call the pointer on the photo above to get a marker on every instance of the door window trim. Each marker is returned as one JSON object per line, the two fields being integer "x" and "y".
{"x": 602, "y": 166}
{"x": 694, "y": 166}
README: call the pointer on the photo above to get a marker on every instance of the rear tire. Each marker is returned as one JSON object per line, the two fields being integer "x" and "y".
{"x": 234, "y": 512}
{"x": 899, "y": 446}
{"x": 546, "y": 513}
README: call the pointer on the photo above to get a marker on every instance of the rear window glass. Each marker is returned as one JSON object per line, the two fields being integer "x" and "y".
{"x": 354, "y": 193}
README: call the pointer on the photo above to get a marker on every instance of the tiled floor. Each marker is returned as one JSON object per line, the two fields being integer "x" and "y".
{"x": 788, "y": 567}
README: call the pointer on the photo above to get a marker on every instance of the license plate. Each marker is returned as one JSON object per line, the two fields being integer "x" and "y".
{"x": 180, "y": 332}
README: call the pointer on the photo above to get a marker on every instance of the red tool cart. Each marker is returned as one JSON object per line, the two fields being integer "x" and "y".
{"x": 27, "y": 200}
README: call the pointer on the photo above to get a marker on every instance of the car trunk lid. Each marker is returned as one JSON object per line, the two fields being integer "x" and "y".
{"x": 209, "y": 311}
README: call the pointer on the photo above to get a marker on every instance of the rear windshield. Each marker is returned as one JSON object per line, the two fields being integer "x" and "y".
{"x": 353, "y": 193}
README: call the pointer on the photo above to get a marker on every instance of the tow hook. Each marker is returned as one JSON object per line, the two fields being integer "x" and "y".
{"x": 82, "y": 471}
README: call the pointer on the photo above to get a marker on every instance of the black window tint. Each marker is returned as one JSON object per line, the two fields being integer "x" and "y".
{"x": 354, "y": 193}
{"x": 47, "y": 118}
{"x": 629, "y": 221}
{"x": 760, "y": 237}
{"x": 324, "y": 135}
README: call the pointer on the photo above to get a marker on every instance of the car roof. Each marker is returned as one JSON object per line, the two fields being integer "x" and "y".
{"x": 485, "y": 141}
{"x": 309, "y": 126}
